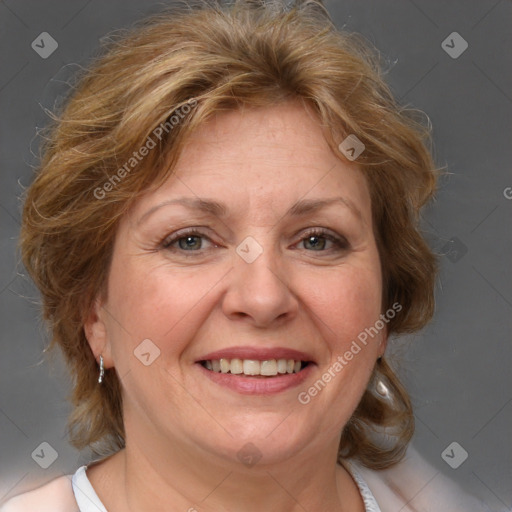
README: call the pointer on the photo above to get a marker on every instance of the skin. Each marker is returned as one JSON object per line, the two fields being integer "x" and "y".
{"x": 183, "y": 431}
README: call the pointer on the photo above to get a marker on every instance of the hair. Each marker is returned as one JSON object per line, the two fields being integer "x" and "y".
{"x": 216, "y": 58}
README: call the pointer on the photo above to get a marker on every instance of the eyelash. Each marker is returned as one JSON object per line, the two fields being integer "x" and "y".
{"x": 340, "y": 243}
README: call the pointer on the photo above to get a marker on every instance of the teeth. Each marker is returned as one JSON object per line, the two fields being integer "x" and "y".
{"x": 224, "y": 365}
{"x": 237, "y": 366}
{"x": 281, "y": 366}
{"x": 268, "y": 368}
{"x": 251, "y": 367}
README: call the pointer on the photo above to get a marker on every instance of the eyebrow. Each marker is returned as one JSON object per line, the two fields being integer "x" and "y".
{"x": 209, "y": 206}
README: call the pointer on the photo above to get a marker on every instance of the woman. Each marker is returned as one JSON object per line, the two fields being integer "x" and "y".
{"x": 224, "y": 233}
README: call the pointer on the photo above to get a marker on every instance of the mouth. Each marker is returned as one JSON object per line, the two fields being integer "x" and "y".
{"x": 257, "y": 370}
{"x": 254, "y": 368}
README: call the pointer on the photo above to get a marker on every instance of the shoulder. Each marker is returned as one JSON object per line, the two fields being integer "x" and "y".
{"x": 55, "y": 496}
{"x": 415, "y": 485}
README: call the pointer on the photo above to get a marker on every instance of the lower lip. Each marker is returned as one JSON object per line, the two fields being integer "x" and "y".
{"x": 258, "y": 385}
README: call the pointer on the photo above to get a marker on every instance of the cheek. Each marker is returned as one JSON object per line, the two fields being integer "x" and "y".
{"x": 347, "y": 308}
{"x": 349, "y": 303}
{"x": 155, "y": 302}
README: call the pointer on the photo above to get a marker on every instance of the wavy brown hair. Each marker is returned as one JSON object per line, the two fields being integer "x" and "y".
{"x": 254, "y": 54}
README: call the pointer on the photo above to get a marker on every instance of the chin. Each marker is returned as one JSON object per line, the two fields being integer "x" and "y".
{"x": 269, "y": 440}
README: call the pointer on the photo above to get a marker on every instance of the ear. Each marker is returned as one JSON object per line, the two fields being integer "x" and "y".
{"x": 96, "y": 332}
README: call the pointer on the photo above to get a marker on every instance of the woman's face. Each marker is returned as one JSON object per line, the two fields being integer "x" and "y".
{"x": 259, "y": 248}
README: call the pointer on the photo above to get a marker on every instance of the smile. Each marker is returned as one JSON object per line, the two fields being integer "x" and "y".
{"x": 253, "y": 367}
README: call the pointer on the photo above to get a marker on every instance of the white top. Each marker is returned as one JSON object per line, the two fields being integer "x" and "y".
{"x": 85, "y": 495}
{"x": 56, "y": 496}
{"x": 88, "y": 500}
{"x": 411, "y": 486}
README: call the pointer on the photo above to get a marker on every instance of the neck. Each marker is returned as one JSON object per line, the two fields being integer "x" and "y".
{"x": 151, "y": 478}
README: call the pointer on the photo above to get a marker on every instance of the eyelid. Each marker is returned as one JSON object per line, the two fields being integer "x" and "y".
{"x": 340, "y": 242}
{"x": 182, "y": 233}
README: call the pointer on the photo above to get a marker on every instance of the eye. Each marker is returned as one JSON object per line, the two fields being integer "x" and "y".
{"x": 318, "y": 238}
{"x": 189, "y": 240}
{"x": 192, "y": 241}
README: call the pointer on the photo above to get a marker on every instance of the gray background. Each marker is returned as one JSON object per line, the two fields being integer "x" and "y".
{"x": 457, "y": 370}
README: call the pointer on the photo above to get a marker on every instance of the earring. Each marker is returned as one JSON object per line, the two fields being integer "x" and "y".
{"x": 380, "y": 384}
{"x": 382, "y": 389}
{"x": 102, "y": 370}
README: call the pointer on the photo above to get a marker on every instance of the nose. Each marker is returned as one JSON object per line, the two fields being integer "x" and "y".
{"x": 258, "y": 292}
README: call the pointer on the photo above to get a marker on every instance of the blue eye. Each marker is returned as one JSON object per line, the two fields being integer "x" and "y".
{"x": 187, "y": 241}
{"x": 315, "y": 237}
{"x": 191, "y": 241}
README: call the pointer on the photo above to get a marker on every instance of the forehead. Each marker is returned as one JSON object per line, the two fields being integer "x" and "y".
{"x": 267, "y": 158}
{"x": 283, "y": 135}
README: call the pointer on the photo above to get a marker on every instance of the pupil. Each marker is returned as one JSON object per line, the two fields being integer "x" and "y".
{"x": 189, "y": 242}
{"x": 313, "y": 240}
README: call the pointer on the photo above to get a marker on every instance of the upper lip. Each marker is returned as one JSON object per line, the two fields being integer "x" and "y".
{"x": 257, "y": 353}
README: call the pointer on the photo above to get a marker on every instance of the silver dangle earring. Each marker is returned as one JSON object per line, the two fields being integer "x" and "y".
{"x": 102, "y": 370}
{"x": 381, "y": 387}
